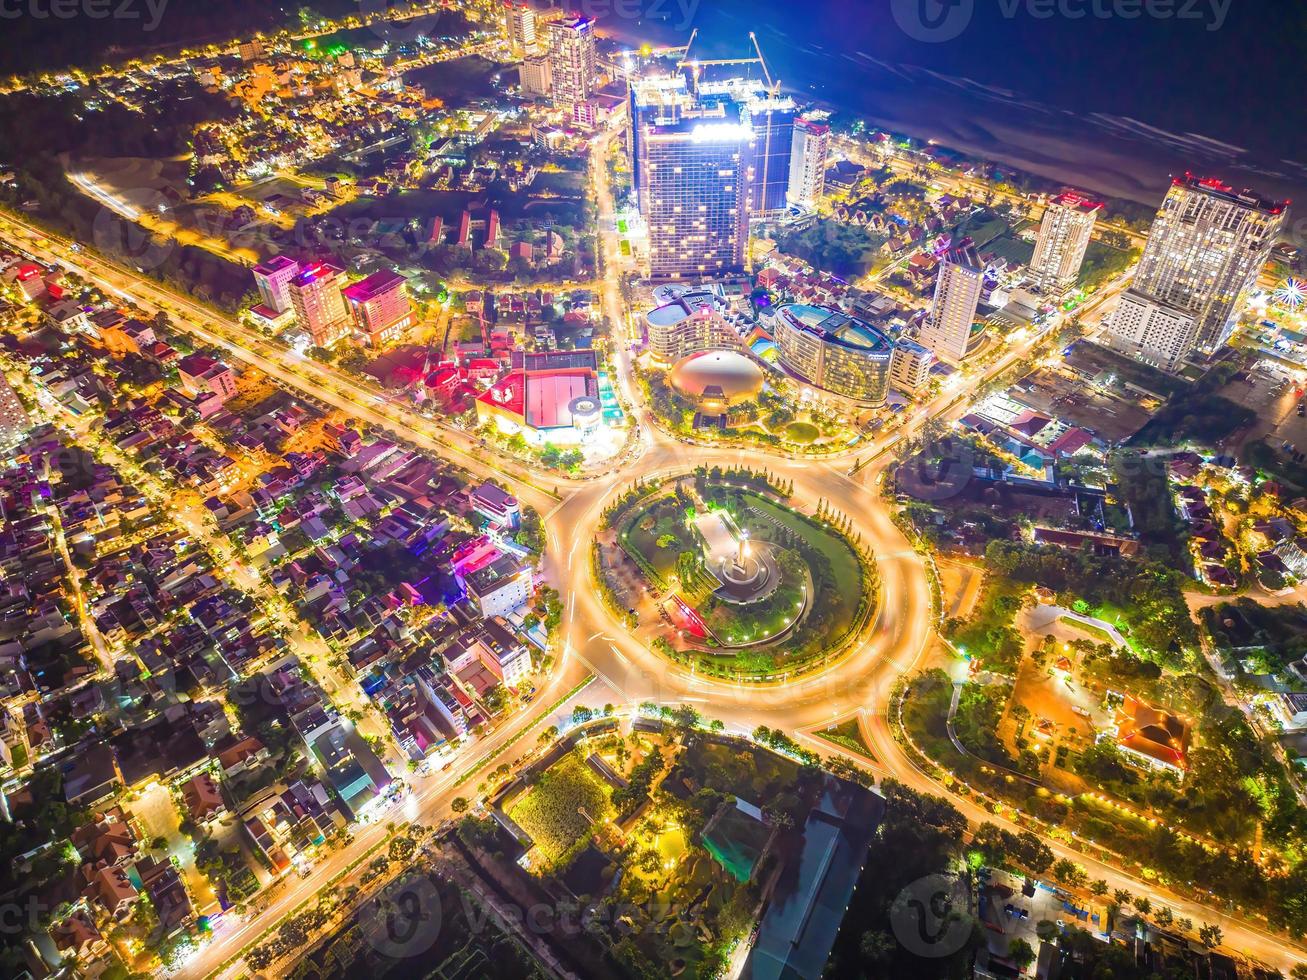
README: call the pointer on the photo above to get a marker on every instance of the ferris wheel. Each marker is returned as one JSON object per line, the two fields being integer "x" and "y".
{"x": 1291, "y": 294}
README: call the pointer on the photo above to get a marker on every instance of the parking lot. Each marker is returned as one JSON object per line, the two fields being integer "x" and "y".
{"x": 1274, "y": 392}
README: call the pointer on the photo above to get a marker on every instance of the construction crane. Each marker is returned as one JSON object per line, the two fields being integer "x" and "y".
{"x": 773, "y": 87}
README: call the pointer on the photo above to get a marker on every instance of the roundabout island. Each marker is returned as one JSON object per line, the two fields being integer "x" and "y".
{"x": 719, "y": 570}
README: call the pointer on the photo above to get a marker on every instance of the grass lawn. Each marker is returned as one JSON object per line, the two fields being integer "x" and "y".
{"x": 844, "y": 566}
{"x": 660, "y": 520}
{"x": 1099, "y": 635}
{"x": 848, "y": 734}
{"x": 801, "y": 433}
{"x": 560, "y": 811}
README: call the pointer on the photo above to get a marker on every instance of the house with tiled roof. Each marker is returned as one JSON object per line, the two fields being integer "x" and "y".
{"x": 1155, "y": 737}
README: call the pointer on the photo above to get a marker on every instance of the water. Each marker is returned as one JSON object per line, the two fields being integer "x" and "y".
{"x": 1112, "y": 105}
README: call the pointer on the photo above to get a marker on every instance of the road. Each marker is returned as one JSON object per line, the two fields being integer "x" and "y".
{"x": 591, "y": 641}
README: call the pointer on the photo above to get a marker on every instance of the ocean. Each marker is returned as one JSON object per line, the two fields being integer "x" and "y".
{"x": 1103, "y": 102}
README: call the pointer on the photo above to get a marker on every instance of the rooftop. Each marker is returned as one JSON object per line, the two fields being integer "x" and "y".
{"x": 834, "y": 327}
{"x": 278, "y": 263}
{"x": 379, "y": 282}
{"x": 1218, "y": 188}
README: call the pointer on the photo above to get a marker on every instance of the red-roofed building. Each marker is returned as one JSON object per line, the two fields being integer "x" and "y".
{"x": 1154, "y": 737}
{"x": 30, "y": 280}
{"x": 201, "y": 374}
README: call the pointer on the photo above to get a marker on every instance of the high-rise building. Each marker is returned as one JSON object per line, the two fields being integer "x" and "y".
{"x": 947, "y": 329}
{"x": 687, "y": 320}
{"x": 572, "y": 59}
{"x": 692, "y": 166}
{"x": 1205, "y": 249}
{"x": 273, "y": 281}
{"x": 834, "y": 352}
{"x": 695, "y": 184}
{"x": 1064, "y": 235}
{"x": 1151, "y": 331}
{"x": 909, "y": 368}
{"x": 808, "y": 151}
{"x": 380, "y": 307}
{"x": 14, "y": 421}
{"x": 319, "y": 305}
{"x": 772, "y": 120}
{"x": 536, "y": 75}
{"x": 520, "y": 27}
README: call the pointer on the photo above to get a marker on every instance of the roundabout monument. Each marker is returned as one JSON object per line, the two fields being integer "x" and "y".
{"x": 721, "y": 571}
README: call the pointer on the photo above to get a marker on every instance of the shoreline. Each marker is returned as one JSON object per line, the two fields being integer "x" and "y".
{"x": 1114, "y": 157}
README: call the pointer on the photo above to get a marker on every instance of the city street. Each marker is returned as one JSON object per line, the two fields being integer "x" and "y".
{"x": 591, "y": 640}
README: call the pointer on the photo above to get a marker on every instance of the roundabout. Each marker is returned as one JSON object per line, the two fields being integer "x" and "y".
{"x": 723, "y": 571}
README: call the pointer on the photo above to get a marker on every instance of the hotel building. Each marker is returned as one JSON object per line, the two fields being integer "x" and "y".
{"x": 1205, "y": 249}
{"x": 835, "y": 352}
{"x": 1064, "y": 235}
{"x": 380, "y": 307}
{"x": 319, "y": 304}
{"x": 947, "y": 329}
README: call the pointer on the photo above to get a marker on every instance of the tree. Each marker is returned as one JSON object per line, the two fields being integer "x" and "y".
{"x": 877, "y": 947}
{"x": 1046, "y": 930}
{"x": 1021, "y": 953}
{"x": 1210, "y": 935}
{"x": 1098, "y": 887}
{"x": 1122, "y": 897}
{"x": 1143, "y": 906}
{"x": 1070, "y": 873}
{"x": 1165, "y": 916}
{"x": 1184, "y": 924}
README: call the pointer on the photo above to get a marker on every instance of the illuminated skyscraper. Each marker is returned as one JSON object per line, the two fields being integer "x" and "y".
{"x": 273, "y": 281}
{"x": 380, "y": 307}
{"x": 319, "y": 305}
{"x": 520, "y": 27}
{"x": 772, "y": 120}
{"x": 947, "y": 330}
{"x": 1064, "y": 235}
{"x": 572, "y": 59}
{"x": 1206, "y": 246}
{"x": 692, "y": 164}
{"x": 808, "y": 162}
